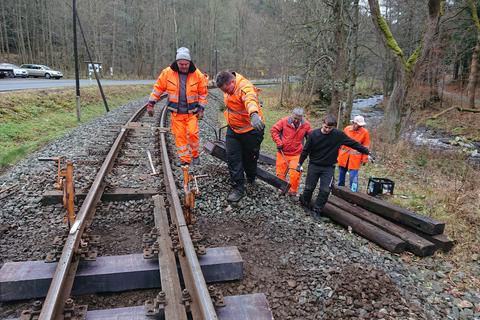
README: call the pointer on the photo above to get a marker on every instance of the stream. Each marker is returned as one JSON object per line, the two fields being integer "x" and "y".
{"x": 420, "y": 136}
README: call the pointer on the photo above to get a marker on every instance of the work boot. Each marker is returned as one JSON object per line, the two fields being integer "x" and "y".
{"x": 196, "y": 161}
{"x": 316, "y": 214}
{"x": 304, "y": 203}
{"x": 235, "y": 195}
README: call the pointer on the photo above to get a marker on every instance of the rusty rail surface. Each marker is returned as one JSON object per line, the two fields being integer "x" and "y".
{"x": 201, "y": 306}
{"x": 62, "y": 282}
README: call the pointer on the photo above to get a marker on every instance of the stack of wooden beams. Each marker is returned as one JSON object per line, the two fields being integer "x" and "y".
{"x": 393, "y": 228}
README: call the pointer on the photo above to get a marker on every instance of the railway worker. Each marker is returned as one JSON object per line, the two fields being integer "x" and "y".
{"x": 186, "y": 87}
{"x": 351, "y": 160}
{"x": 289, "y": 134}
{"x": 322, "y": 148}
{"x": 245, "y": 130}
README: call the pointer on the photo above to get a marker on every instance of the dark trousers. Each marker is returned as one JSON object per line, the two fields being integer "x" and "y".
{"x": 242, "y": 155}
{"x": 315, "y": 173}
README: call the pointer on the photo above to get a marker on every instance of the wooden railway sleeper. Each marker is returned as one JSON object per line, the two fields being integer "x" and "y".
{"x": 156, "y": 307}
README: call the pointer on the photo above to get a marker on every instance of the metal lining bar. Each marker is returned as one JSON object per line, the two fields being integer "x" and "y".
{"x": 64, "y": 276}
{"x": 191, "y": 270}
{"x": 167, "y": 264}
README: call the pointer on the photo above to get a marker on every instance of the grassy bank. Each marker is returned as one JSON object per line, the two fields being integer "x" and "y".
{"x": 30, "y": 119}
{"x": 436, "y": 184}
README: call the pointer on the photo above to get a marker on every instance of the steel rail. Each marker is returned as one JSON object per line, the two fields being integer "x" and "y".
{"x": 202, "y": 307}
{"x": 62, "y": 282}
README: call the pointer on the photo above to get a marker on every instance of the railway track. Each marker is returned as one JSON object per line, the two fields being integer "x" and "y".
{"x": 173, "y": 240}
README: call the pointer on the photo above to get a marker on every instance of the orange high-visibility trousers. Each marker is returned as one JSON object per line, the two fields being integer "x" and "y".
{"x": 185, "y": 130}
{"x": 290, "y": 164}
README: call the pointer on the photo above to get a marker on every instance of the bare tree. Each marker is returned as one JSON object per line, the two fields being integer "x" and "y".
{"x": 473, "y": 77}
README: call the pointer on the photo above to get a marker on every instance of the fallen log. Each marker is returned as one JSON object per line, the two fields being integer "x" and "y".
{"x": 217, "y": 149}
{"x": 415, "y": 243}
{"x": 365, "y": 229}
{"x": 468, "y": 110}
{"x": 390, "y": 211}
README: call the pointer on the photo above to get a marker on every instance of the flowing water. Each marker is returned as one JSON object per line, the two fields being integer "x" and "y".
{"x": 421, "y": 136}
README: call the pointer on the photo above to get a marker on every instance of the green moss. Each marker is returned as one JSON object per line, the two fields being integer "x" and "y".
{"x": 391, "y": 42}
{"x": 473, "y": 11}
{"x": 413, "y": 59}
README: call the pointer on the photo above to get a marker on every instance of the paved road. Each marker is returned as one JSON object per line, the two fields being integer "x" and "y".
{"x": 35, "y": 83}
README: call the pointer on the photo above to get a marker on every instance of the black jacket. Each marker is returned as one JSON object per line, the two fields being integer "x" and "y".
{"x": 323, "y": 148}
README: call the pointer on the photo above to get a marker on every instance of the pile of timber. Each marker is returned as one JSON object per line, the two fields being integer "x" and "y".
{"x": 393, "y": 228}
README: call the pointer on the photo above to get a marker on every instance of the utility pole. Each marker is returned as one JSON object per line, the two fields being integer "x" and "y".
{"x": 216, "y": 62}
{"x": 75, "y": 54}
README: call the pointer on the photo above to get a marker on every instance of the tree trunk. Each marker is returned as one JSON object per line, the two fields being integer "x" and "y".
{"x": 4, "y": 26}
{"x": 392, "y": 122}
{"x": 472, "y": 79}
{"x": 339, "y": 66}
{"x": 347, "y": 112}
{"x": 406, "y": 68}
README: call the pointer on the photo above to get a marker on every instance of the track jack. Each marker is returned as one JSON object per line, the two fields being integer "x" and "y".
{"x": 190, "y": 193}
{"x": 64, "y": 181}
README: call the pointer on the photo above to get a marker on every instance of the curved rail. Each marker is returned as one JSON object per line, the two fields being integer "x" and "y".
{"x": 202, "y": 306}
{"x": 62, "y": 282}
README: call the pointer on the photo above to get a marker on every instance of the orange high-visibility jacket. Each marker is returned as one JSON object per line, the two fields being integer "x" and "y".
{"x": 350, "y": 158}
{"x": 169, "y": 82}
{"x": 242, "y": 103}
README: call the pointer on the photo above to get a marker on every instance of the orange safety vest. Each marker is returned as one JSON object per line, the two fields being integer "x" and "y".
{"x": 169, "y": 82}
{"x": 350, "y": 158}
{"x": 242, "y": 103}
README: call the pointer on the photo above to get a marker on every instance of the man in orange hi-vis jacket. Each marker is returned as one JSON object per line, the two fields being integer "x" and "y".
{"x": 289, "y": 134}
{"x": 186, "y": 87}
{"x": 349, "y": 159}
{"x": 245, "y": 130}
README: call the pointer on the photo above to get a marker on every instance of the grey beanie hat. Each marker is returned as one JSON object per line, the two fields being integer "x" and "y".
{"x": 183, "y": 54}
{"x": 298, "y": 111}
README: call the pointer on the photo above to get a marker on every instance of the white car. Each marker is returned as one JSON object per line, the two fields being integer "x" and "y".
{"x": 38, "y": 70}
{"x": 14, "y": 71}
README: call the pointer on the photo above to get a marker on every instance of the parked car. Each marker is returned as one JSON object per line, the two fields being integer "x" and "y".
{"x": 13, "y": 70}
{"x": 38, "y": 70}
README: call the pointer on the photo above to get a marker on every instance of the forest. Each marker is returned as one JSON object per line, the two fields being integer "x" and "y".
{"x": 330, "y": 45}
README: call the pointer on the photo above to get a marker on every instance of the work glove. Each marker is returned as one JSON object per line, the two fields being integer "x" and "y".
{"x": 279, "y": 147}
{"x": 371, "y": 158}
{"x": 150, "y": 106}
{"x": 256, "y": 122}
{"x": 299, "y": 168}
{"x": 200, "y": 115}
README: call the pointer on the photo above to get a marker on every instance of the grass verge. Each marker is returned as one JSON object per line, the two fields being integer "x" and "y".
{"x": 30, "y": 119}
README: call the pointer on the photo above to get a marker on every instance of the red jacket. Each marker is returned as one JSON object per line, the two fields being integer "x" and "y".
{"x": 285, "y": 134}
